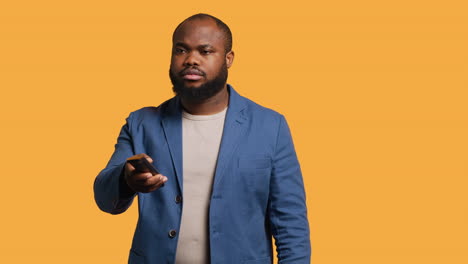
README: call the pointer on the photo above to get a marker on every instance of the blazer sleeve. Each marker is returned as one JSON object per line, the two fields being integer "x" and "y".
{"x": 109, "y": 193}
{"x": 287, "y": 205}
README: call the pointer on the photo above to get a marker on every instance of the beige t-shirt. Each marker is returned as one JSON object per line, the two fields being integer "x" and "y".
{"x": 201, "y": 138}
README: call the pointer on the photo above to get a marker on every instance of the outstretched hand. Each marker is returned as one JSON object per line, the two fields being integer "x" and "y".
{"x": 140, "y": 181}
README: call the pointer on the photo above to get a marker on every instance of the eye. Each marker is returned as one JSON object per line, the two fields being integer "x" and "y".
{"x": 179, "y": 50}
{"x": 206, "y": 52}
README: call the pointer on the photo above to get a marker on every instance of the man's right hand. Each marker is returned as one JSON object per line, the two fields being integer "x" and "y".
{"x": 142, "y": 181}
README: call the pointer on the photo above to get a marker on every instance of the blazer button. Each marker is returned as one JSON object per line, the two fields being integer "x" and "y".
{"x": 178, "y": 199}
{"x": 172, "y": 233}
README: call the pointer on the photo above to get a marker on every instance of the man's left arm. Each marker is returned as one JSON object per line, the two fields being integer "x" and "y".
{"x": 287, "y": 205}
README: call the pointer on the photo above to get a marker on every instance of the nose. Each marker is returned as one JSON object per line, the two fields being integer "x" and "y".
{"x": 191, "y": 59}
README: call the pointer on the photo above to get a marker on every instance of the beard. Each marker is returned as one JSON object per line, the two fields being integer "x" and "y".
{"x": 202, "y": 92}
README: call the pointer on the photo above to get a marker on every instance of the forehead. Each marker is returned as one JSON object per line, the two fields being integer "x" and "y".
{"x": 199, "y": 32}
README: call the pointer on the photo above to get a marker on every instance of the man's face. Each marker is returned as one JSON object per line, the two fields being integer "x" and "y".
{"x": 199, "y": 61}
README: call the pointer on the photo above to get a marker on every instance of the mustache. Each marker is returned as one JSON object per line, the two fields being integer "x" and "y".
{"x": 192, "y": 70}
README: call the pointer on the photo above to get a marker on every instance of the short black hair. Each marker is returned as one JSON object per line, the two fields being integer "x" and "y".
{"x": 219, "y": 23}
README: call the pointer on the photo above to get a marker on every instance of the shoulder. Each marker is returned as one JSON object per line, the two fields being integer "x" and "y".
{"x": 260, "y": 114}
{"x": 247, "y": 106}
{"x": 258, "y": 109}
{"x": 151, "y": 113}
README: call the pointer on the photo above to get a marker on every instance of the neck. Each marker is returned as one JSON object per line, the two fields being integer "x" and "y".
{"x": 210, "y": 106}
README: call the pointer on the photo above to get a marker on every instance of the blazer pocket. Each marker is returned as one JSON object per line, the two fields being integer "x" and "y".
{"x": 259, "y": 261}
{"x": 254, "y": 162}
{"x": 254, "y": 174}
{"x": 136, "y": 258}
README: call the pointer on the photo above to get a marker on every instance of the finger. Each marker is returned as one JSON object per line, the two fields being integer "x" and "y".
{"x": 148, "y": 184}
{"x": 151, "y": 184}
{"x": 157, "y": 185}
{"x": 141, "y": 177}
{"x": 129, "y": 167}
{"x": 150, "y": 160}
{"x": 157, "y": 179}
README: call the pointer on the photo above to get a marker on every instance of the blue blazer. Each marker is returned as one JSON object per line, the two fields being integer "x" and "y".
{"x": 258, "y": 190}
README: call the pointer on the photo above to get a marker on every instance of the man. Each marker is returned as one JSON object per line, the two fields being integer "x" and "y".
{"x": 230, "y": 179}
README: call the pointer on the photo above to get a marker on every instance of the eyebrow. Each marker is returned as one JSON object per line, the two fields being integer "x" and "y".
{"x": 181, "y": 44}
{"x": 204, "y": 46}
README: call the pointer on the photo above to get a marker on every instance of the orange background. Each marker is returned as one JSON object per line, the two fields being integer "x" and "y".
{"x": 375, "y": 93}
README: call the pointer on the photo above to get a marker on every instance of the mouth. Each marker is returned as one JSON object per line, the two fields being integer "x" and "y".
{"x": 192, "y": 77}
{"x": 192, "y": 74}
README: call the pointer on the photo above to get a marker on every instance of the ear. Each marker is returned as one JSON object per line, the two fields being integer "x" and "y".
{"x": 229, "y": 58}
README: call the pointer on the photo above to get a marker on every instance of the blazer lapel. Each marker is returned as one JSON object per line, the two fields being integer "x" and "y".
{"x": 172, "y": 126}
{"x": 234, "y": 129}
